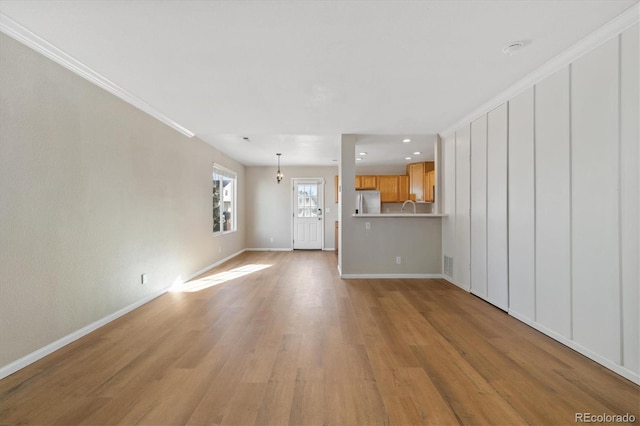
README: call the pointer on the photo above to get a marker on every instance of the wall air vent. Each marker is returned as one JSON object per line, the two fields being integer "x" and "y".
{"x": 448, "y": 266}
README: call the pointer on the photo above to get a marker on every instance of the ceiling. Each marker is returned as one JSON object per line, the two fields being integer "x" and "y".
{"x": 292, "y": 76}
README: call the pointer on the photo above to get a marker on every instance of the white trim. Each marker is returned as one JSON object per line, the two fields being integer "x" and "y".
{"x": 52, "y": 347}
{"x": 329, "y": 249}
{"x": 401, "y": 215}
{"x": 213, "y": 265}
{"x": 616, "y": 368}
{"x": 321, "y": 182}
{"x": 269, "y": 249}
{"x": 609, "y": 30}
{"x": 386, "y": 276}
{"x": 35, "y": 42}
{"x": 454, "y": 282}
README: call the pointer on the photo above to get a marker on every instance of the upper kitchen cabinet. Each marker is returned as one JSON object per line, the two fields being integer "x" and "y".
{"x": 388, "y": 187}
{"x": 419, "y": 188}
{"x": 393, "y": 188}
{"x": 429, "y": 185}
{"x": 415, "y": 172}
{"x": 366, "y": 182}
{"x": 403, "y": 188}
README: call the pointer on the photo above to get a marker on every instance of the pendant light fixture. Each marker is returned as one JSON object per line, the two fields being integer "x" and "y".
{"x": 279, "y": 175}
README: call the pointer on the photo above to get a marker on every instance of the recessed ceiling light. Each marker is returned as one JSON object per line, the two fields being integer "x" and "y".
{"x": 417, "y": 153}
{"x": 358, "y": 159}
{"x": 334, "y": 160}
{"x": 513, "y": 48}
{"x": 406, "y": 140}
{"x": 407, "y": 158}
{"x": 363, "y": 153}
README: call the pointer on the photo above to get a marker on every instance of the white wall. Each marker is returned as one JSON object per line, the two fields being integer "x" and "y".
{"x": 497, "y": 230}
{"x": 595, "y": 152}
{"x": 552, "y": 147}
{"x": 478, "y": 223}
{"x": 449, "y": 208}
{"x": 563, "y": 156}
{"x": 269, "y": 205}
{"x": 522, "y": 206}
{"x": 629, "y": 194}
{"x": 463, "y": 204}
{"x": 93, "y": 193}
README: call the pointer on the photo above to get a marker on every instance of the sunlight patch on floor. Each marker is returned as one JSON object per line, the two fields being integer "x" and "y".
{"x": 215, "y": 279}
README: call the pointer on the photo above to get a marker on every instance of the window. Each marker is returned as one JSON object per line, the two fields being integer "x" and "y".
{"x": 224, "y": 200}
{"x": 308, "y": 200}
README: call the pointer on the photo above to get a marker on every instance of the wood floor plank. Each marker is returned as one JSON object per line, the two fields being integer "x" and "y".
{"x": 292, "y": 343}
{"x": 307, "y": 406}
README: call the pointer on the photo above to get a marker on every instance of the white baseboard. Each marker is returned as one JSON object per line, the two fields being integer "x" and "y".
{"x": 213, "y": 265}
{"x": 268, "y": 249}
{"x": 454, "y": 282}
{"x": 387, "y": 276}
{"x": 616, "y": 368}
{"x": 52, "y": 347}
{"x": 329, "y": 249}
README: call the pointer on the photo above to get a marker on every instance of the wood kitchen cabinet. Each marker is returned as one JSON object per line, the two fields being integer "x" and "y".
{"x": 366, "y": 182}
{"x": 389, "y": 188}
{"x": 403, "y": 188}
{"x": 429, "y": 185}
{"x": 335, "y": 187}
{"x": 419, "y": 188}
{"x": 393, "y": 188}
{"x": 415, "y": 172}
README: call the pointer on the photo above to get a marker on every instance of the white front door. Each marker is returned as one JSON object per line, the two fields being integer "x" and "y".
{"x": 308, "y": 209}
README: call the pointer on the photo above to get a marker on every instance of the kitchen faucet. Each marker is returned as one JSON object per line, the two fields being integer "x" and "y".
{"x": 409, "y": 201}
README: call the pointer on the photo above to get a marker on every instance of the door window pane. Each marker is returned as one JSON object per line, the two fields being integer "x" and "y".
{"x": 308, "y": 200}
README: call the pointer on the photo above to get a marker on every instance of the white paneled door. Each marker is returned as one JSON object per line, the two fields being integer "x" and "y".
{"x": 308, "y": 208}
{"x": 553, "y": 203}
{"x": 595, "y": 191}
{"x": 521, "y": 206}
{"x": 497, "y": 240}
{"x": 462, "y": 243}
{"x": 479, "y": 207}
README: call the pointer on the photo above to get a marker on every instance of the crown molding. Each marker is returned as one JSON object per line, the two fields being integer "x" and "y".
{"x": 609, "y": 30}
{"x": 16, "y": 31}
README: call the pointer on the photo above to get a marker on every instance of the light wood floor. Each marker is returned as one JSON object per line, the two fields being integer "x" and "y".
{"x": 294, "y": 344}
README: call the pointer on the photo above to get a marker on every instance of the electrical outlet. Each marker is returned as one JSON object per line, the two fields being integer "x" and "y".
{"x": 398, "y": 260}
{"x": 143, "y": 279}
{"x": 271, "y": 239}
{"x": 367, "y": 225}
